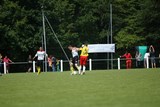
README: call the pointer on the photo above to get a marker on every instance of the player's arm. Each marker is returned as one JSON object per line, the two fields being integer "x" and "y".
{"x": 35, "y": 56}
{"x": 10, "y": 61}
{"x": 79, "y": 48}
{"x": 123, "y": 56}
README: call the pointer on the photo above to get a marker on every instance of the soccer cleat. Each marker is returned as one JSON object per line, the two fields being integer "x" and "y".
{"x": 82, "y": 73}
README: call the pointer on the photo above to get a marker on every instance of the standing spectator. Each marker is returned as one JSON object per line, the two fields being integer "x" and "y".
{"x": 54, "y": 64}
{"x": 1, "y": 64}
{"x": 7, "y": 61}
{"x": 50, "y": 63}
{"x": 159, "y": 58}
{"x": 58, "y": 64}
{"x": 138, "y": 59}
{"x": 146, "y": 57}
{"x": 152, "y": 56}
{"x": 83, "y": 58}
{"x": 41, "y": 54}
{"x": 128, "y": 57}
{"x": 74, "y": 51}
{"x": 29, "y": 63}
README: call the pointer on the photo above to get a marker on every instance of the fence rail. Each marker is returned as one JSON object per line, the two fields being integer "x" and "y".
{"x": 93, "y": 64}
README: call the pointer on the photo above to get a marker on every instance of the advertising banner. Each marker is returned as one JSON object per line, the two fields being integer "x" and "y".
{"x": 101, "y": 48}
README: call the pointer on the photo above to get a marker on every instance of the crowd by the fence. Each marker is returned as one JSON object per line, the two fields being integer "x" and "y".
{"x": 150, "y": 54}
{"x": 53, "y": 64}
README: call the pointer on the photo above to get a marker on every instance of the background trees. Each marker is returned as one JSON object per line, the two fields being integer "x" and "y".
{"x": 135, "y": 22}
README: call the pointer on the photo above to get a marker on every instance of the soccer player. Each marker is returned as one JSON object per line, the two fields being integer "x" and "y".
{"x": 41, "y": 54}
{"x": 83, "y": 58}
{"x": 75, "y": 57}
{"x": 128, "y": 57}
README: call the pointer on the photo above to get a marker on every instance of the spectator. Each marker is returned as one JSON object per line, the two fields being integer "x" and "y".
{"x": 29, "y": 63}
{"x": 58, "y": 64}
{"x": 128, "y": 57}
{"x": 138, "y": 59}
{"x": 159, "y": 58}
{"x": 7, "y": 61}
{"x": 146, "y": 56}
{"x": 50, "y": 63}
{"x": 54, "y": 64}
{"x": 1, "y": 64}
{"x": 152, "y": 56}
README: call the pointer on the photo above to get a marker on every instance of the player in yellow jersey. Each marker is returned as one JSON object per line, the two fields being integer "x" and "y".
{"x": 83, "y": 58}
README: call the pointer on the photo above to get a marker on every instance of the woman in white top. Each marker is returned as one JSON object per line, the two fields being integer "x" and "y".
{"x": 146, "y": 57}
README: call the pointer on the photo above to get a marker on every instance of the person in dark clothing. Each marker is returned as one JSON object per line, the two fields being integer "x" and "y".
{"x": 152, "y": 56}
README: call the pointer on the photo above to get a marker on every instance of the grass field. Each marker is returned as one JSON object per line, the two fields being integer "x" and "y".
{"x": 110, "y": 88}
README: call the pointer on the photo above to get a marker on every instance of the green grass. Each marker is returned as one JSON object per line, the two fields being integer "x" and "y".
{"x": 110, "y": 88}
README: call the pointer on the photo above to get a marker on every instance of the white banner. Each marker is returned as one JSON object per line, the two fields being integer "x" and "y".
{"x": 101, "y": 48}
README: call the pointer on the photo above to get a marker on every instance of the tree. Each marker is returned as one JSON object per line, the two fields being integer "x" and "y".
{"x": 126, "y": 40}
{"x": 129, "y": 35}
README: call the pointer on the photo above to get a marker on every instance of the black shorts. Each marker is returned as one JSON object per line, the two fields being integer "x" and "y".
{"x": 40, "y": 63}
{"x": 75, "y": 60}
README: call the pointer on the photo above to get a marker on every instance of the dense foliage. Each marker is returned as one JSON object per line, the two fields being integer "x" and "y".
{"x": 135, "y": 22}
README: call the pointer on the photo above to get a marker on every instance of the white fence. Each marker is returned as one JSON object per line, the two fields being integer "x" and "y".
{"x": 91, "y": 63}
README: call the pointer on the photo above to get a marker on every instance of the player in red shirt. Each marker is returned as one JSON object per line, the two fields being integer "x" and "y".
{"x": 128, "y": 57}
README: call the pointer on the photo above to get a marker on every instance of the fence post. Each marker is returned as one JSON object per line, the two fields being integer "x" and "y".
{"x": 61, "y": 65}
{"x": 90, "y": 64}
{"x": 147, "y": 62}
{"x": 34, "y": 67}
{"x": 5, "y": 69}
{"x": 119, "y": 67}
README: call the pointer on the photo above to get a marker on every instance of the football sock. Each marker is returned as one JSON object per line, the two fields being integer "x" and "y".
{"x": 84, "y": 68}
{"x": 39, "y": 70}
{"x": 80, "y": 69}
{"x": 72, "y": 69}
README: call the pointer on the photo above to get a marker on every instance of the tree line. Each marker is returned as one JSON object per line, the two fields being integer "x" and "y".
{"x": 135, "y": 22}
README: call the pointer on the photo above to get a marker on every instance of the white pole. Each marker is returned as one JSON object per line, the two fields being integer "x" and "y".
{"x": 119, "y": 67}
{"x": 5, "y": 69}
{"x": 34, "y": 67}
{"x": 147, "y": 62}
{"x": 61, "y": 65}
{"x": 90, "y": 64}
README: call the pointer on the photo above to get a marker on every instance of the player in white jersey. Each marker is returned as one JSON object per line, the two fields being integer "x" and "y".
{"x": 41, "y": 54}
{"x": 75, "y": 56}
